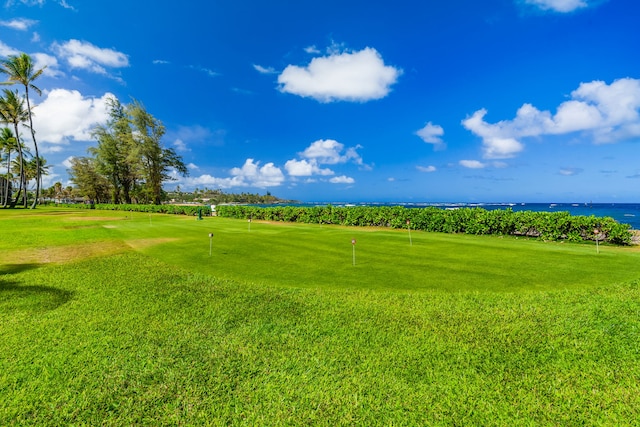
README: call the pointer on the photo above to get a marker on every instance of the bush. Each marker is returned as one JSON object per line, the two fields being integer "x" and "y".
{"x": 543, "y": 225}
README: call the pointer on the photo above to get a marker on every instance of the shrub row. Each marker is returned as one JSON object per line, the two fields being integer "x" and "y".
{"x": 543, "y": 225}
{"x": 165, "y": 209}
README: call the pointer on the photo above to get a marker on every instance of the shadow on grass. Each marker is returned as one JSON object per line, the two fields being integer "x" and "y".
{"x": 17, "y": 268}
{"x": 14, "y": 296}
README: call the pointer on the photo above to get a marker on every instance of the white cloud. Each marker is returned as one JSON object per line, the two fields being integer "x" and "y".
{"x": 431, "y": 134}
{"x": 84, "y": 55}
{"x": 67, "y": 162}
{"x": 562, "y": 6}
{"x": 252, "y": 174}
{"x": 6, "y": 50}
{"x": 66, "y": 5}
{"x": 62, "y": 3}
{"x": 180, "y": 145}
{"x": 207, "y": 180}
{"x": 605, "y": 113}
{"x": 249, "y": 175}
{"x": 343, "y": 179}
{"x": 472, "y": 164}
{"x": 323, "y": 152}
{"x": 66, "y": 114}
{"x": 570, "y": 171}
{"x": 207, "y": 71}
{"x": 330, "y": 152}
{"x": 426, "y": 168}
{"x": 348, "y": 76}
{"x": 264, "y": 70}
{"x": 193, "y": 166}
{"x": 42, "y": 60}
{"x": 20, "y": 24}
{"x": 311, "y": 49}
{"x": 305, "y": 168}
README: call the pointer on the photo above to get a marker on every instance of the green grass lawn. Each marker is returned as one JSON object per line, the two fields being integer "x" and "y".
{"x": 132, "y": 322}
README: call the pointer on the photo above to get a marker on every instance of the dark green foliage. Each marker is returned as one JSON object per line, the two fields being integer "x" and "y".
{"x": 478, "y": 221}
{"x": 164, "y": 209}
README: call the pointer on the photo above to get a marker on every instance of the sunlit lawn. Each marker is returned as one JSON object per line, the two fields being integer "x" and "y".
{"x": 132, "y": 321}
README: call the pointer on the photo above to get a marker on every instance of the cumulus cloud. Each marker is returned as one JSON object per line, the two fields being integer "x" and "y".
{"x": 84, "y": 55}
{"x": 562, "y": 6}
{"x": 347, "y": 76}
{"x": 20, "y": 24}
{"x": 431, "y": 134}
{"x": 305, "y": 168}
{"x": 472, "y": 164}
{"x": 207, "y": 180}
{"x": 323, "y": 152}
{"x": 606, "y": 113}
{"x": 426, "y": 168}
{"x": 252, "y": 174}
{"x": 330, "y": 152}
{"x": 67, "y": 115}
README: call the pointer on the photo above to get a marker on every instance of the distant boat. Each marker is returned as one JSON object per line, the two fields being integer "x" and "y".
{"x": 553, "y": 205}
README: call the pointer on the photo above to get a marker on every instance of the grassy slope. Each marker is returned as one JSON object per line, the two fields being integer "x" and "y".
{"x": 126, "y": 338}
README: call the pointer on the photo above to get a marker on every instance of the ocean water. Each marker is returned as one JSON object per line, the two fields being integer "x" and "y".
{"x": 626, "y": 213}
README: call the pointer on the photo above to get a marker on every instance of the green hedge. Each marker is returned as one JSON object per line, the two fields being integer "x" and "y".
{"x": 165, "y": 209}
{"x": 543, "y": 225}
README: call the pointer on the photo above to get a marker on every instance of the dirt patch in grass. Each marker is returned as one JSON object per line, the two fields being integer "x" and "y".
{"x": 96, "y": 218}
{"x": 62, "y": 254}
{"x": 145, "y": 243}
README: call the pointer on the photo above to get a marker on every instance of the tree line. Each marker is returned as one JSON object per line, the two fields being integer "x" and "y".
{"x": 128, "y": 165}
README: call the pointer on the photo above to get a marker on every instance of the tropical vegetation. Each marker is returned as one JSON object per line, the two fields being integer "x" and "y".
{"x": 20, "y": 69}
{"x": 129, "y": 163}
{"x": 479, "y": 221}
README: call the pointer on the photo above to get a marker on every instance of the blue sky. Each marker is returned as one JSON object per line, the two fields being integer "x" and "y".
{"x": 416, "y": 101}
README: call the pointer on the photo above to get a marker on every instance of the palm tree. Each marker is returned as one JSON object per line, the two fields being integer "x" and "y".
{"x": 32, "y": 171}
{"x": 12, "y": 111}
{"x": 8, "y": 143}
{"x": 20, "y": 69}
{"x": 20, "y": 167}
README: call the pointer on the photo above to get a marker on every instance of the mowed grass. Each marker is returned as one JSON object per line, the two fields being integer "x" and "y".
{"x": 277, "y": 327}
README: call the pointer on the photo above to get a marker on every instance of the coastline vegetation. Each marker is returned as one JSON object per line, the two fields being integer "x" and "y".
{"x": 477, "y": 221}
